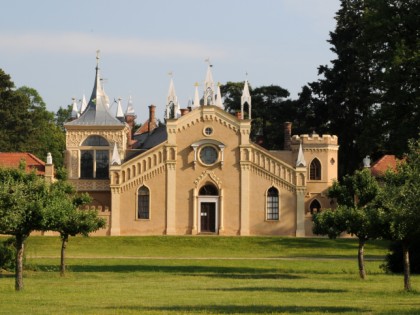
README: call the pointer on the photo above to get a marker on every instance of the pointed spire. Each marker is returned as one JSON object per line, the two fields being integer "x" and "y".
{"x": 246, "y": 98}
{"x": 172, "y": 105}
{"x": 209, "y": 92}
{"x": 74, "y": 110}
{"x": 219, "y": 101}
{"x": 115, "y": 156}
{"x": 130, "y": 109}
{"x": 97, "y": 111}
{"x": 301, "y": 158}
{"x": 83, "y": 104}
{"x": 120, "y": 113}
{"x": 196, "y": 103}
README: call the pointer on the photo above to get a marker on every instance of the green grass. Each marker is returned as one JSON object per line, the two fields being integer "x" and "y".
{"x": 181, "y": 279}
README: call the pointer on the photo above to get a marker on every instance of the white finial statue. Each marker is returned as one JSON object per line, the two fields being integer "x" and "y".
{"x": 115, "y": 156}
{"x": 366, "y": 161}
{"x": 49, "y": 159}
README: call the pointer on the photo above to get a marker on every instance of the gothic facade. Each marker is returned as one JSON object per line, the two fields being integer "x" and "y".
{"x": 199, "y": 173}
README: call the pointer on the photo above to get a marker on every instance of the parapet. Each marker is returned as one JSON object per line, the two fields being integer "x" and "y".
{"x": 314, "y": 139}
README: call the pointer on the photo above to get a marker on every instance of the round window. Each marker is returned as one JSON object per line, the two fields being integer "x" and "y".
{"x": 208, "y": 131}
{"x": 208, "y": 155}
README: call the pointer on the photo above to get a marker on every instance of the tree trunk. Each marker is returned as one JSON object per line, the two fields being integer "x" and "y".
{"x": 64, "y": 240}
{"x": 406, "y": 257}
{"x": 20, "y": 243}
{"x": 361, "y": 259}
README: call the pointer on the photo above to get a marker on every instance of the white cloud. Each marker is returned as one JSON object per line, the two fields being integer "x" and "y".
{"x": 81, "y": 43}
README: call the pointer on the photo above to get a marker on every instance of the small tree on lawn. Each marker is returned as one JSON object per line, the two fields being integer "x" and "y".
{"x": 401, "y": 201}
{"x": 356, "y": 213}
{"x": 23, "y": 199}
{"x": 66, "y": 217}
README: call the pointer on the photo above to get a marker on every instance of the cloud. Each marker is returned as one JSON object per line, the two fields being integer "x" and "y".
{"x": 82, "y": 43}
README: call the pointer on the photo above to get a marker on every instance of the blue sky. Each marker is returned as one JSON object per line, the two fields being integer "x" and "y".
{"x": 50, "y": 45}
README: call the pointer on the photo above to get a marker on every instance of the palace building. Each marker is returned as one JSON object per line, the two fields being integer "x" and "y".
{"x": 199, "y": 173}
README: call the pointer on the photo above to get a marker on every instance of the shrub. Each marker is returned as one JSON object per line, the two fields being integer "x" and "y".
{"x": 394, "y": 260}
{"x": 7, "y": 254}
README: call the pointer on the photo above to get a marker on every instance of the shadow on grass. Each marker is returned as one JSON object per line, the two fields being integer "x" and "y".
{"x": 205, "y": 271}
{"x": 242, "y": 309}
{"x": 277, "y": 289}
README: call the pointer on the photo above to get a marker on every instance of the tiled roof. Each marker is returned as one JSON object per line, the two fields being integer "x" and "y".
{"x": 12, "y": 160}
{"x": 386, "y": 162}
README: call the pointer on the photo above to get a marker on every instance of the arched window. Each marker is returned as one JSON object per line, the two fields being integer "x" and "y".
{"x": 272, "y": 204}
{"x": 315, "y": 206}
{"x": 208, "y": 190}
{"x": 143, "y": 203}
{"x": 315, "y": 170}
{"x": 94, "y": 161}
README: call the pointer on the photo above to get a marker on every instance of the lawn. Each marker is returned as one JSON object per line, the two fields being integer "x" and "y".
{"x": 197, "y": 275}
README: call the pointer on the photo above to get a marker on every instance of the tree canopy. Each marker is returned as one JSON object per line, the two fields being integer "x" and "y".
{"x": 27, "y": 126}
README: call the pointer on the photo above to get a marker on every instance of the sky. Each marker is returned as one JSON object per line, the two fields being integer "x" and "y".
{"x": 50, "y": 45}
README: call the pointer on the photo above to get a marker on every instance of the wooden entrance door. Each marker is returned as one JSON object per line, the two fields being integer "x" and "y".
{"x": 208, "y": 217}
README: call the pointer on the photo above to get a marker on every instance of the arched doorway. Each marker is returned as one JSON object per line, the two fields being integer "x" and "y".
{"x": 208, "y": 199}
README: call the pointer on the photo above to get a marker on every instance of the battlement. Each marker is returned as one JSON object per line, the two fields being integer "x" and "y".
{"x": 314, "y": 139}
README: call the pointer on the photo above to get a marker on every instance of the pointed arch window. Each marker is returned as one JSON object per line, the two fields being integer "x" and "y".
{"x": 315, "y": 206}
{"x": 272, "y": 204}
{"x": 208, "y": 190}
{"x": 143, "y": 203}
{"x": 94, "y": 158}
{"x": 315, "y": 170}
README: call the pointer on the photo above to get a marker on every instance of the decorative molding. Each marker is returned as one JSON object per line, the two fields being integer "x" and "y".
{"x": 210, "y": 174}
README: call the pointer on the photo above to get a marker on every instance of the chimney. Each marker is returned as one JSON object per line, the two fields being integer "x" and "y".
{"x": 238, "y": 115}
{"x": 287, "y": 136}
{"x": 184, "y": 111}
{"x": 152, "y": 118}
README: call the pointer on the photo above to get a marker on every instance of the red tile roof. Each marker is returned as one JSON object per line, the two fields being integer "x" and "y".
{"x": 12, "y": 160}
{"x": 386, "y": 162}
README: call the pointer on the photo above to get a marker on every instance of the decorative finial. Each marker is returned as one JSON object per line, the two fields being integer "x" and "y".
{"x": 97, "y": 57}
{"x": 196, "y": 84}
{"x": 171, "y": 74}
{"x": 208, "y": 61}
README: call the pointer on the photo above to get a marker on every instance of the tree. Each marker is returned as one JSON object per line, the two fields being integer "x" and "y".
{"x": 401, "y": 199}
{"x": 369, "y": 96}
{"x": 66, "y": 217}
{"x": 357, "y": 212}
{"x": 27, "y": 126}
{"x": 270, "y": 109}
{"x": 23, "y": 198}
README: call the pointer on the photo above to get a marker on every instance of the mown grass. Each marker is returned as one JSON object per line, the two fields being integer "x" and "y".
{"x": 182, "y": 281}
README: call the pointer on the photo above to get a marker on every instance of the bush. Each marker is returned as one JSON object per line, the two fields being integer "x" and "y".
{"x": 394, "y": 260}
{"x": 7, "y": 254}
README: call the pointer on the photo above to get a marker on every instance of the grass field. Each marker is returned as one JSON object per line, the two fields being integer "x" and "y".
{"x": 205, "y": 275}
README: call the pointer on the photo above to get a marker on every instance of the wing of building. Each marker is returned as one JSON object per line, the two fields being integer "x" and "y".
{"x": 198, "y": 173}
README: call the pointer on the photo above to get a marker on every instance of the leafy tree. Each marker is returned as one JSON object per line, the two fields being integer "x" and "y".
{"x": 43, "y": 134}
{"x": 270, "y": 109}
{"x": 63, "y": 115}
{"x": 66, "y": 217}
{"x": 369, "y": 96}
{"x": 401, "y": 200}
{"x": 27, "y": 126}
{"x": 357, "y": 212}
{"x": 23, "y": 198}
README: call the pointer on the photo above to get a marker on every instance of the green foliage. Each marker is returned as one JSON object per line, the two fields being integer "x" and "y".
{"x": 7, "y": 254}
{"x": 27, "y": 126}
{"x": 401, "y": 197}
{"x": 23, "y": 198}
{"x": 357, "y": 212}
{"x": 64, "y": 214}
{"x": 394, "y": 259}
{"x": 369, "y": 96}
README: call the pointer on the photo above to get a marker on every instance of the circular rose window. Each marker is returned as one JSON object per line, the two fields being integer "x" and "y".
{"x": 208, "y": 155}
